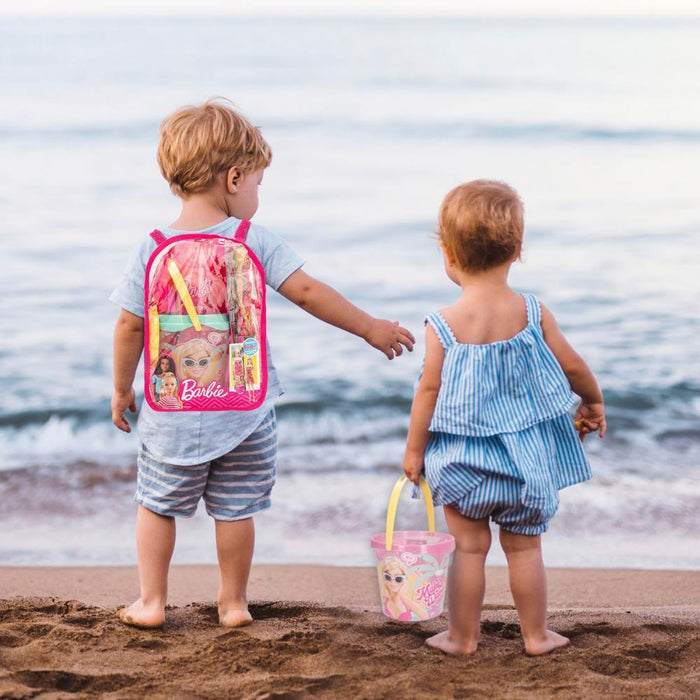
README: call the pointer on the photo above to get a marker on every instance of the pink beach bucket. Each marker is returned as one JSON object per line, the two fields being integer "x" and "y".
{"x": 412, "y": 564}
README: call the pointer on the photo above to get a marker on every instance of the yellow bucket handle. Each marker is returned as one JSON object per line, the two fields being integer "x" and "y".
{"x": 394, "y": 503}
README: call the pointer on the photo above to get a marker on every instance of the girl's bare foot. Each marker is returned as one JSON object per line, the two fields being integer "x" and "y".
{"x": 550, "y": 642}
{"x": 139, "y": 615}
{"x": 234, "y": 617}
{"x": 444, "y": 642}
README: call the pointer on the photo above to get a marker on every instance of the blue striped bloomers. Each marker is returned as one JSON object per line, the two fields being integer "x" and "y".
{"x": 502, "y": 439}
{"x": 233, "y": 486}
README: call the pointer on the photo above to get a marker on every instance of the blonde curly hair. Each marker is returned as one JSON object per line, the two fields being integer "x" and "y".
{"x": 199, "y": 142}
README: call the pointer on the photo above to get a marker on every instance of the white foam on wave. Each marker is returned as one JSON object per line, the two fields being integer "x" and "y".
{"x": 329, "y": 517}
{"x": 61, "y": 441}
{"x": 330, "y": 498}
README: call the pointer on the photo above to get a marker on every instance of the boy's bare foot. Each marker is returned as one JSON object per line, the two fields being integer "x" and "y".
{"x": 139, "y": 615}
{"x": 550, "y": 642}
{"x": 234, "y": 617}
{"x": 443, "y": 642}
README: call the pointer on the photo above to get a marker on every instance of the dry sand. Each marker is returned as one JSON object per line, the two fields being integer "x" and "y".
{"x": 318, "y": 632}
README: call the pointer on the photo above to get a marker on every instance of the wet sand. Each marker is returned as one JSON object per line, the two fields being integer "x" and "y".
{"x": 319, "y": 632}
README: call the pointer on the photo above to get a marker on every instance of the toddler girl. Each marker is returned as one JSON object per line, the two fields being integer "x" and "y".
{"x": 490, "y": 421}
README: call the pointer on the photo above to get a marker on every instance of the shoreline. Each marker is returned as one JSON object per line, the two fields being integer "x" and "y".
{"x": 353, "y": 586}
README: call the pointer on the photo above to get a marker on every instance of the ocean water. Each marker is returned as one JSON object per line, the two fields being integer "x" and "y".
{"x": 371, "y": 122}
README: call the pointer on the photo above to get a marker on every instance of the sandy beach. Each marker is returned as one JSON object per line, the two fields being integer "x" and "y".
{"x": 319, "y": 632}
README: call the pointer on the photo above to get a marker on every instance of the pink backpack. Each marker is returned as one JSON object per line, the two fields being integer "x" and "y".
{"x": 205, "y": 324}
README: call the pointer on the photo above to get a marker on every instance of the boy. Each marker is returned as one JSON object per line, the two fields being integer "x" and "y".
{"x": 214, "y": 159}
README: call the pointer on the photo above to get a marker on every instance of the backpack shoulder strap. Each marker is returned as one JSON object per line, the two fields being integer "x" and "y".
{"x": 157, "y": 236}
{"x": 242, "y": 231}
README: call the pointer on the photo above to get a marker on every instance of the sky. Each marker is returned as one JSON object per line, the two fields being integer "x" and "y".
{"x": 583, "y": 8}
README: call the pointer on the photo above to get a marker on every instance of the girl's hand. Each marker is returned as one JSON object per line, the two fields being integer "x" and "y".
{"x": 413, "y": 467}
{"x": 589, "y": 418}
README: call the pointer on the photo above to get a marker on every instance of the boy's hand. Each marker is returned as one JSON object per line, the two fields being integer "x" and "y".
{"x": 589, "y": 418}
{"x": 120, "y": 402}
{"x": 413, "y": 467}
{"x": 388, "y": 337}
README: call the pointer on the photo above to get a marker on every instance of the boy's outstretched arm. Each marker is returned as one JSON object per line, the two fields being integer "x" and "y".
{"x": 330, "y": 306}
{"x": 128, "y": 345}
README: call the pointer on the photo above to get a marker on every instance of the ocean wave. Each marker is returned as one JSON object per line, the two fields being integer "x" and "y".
{"x": 79, "y": 132}
{"x": 63, "y": 441}
{"x": 466, "y": 130}
{"x": 389, "y": 129}
{"x": 629, "y": 520}
{"x": 28, "y": 419}
{"x": 346, "y": 398}
{"x": 335, "y": 422}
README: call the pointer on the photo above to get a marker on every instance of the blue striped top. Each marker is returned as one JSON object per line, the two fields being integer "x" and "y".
{"x": 500, "y": 387}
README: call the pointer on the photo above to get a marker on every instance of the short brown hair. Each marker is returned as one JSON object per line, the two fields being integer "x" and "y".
{"x": 198, "y": 142}
{"x": 481, "y": 224}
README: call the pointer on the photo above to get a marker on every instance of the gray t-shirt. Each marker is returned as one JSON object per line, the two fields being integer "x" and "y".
{"x": 193, "y": 437}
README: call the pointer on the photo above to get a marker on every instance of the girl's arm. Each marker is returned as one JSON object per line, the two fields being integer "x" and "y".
{"x": 590, "y": 415}
{"x": 330, "y": 306}
{"x": 423, "y": 407}
{"x": 128, "y": 345}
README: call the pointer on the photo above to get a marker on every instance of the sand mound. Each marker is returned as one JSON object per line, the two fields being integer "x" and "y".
{"x": 63, "y": 649}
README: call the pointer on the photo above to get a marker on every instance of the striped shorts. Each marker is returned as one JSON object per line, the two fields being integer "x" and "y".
{"x": 500, "y": 498}
{"x": 233, "y": 486}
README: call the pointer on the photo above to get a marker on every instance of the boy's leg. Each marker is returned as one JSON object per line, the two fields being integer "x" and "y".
{"x": 155, "y": 540}
{"x": 234, "y": 546}
{"x": 528, "y": 584}
{"x": 465, "y": 584}
{"x": 163, "y": 491}
{"x": 238, "y": 486}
